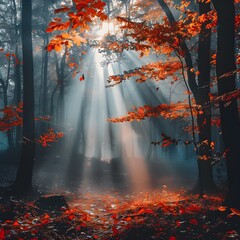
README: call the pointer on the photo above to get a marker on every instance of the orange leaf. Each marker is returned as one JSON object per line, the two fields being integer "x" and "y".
{"x": 222, "y": 208}
{"x": 58, "y": 47}
{"x": 46, "y": 216}
{"x": 15, "y": 224}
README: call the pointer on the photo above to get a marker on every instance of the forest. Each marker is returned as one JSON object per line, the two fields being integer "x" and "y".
{"x": 119, "y": 119}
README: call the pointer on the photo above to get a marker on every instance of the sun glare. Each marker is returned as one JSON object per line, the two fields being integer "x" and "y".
{"x": 106, "y": 29}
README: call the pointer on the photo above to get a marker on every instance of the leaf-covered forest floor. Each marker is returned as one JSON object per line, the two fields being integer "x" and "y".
{"x": 158, "y": 214}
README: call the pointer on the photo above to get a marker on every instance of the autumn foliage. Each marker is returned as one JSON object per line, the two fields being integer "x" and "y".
{"x": 75, "y": 21}
{"x": 12, "y": 117}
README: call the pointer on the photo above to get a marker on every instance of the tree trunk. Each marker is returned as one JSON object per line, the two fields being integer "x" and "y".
{"x": 45, "y": 80}
{"x": 17, "y": 77}
{"x": 229, "y": 113}
{"x": 23, "y": 181}
{"x": 60, "y": 70}
{"x": 45, "y": 62}
{"x": 202, "y": 98}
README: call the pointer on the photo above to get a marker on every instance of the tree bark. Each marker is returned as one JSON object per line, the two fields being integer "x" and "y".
{"x": 45, "y": 81}
{"x": 226, "y": 84}
{"x": 17, "y": 74}
{"x": 202, "y": 98}
{"x": 45, "y": 62}
{"x": 23, "y": 181}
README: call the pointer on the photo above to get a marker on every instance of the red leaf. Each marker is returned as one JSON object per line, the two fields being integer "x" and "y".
{"x": 182, "y": 211}
{"x": 115, "y": 231}
{"x": 71, "y": 217}
{"x": 15, "y": 224}
{"x": 150, "y": 211}
{"x": 46, "y": 216}
{"x": 114, "y": 216}
{"x": 78, "y": 228}
{"x": 178, "y": 224}
{"x": 141, "y": 211}
{"x": 193, "y": 221}
{"x": 2, "y": 233}
{"x": 82, "y": 77}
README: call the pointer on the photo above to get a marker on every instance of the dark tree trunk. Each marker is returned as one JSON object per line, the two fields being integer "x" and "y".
{"x": 60, "y": 70}
{"x": 62, "y": 88}
{"x": 17, "y": 76}
{"x": 5, "y": 98}
{"x": 202, "y": 98}
{"x": 45, "y": 80}
{"x": 4, "y": 85}
{"x": 23, "y": 182}
{"x": 45, "y": 62}
{"x": 229, "y": 113}
{"x": 17, "y": 90}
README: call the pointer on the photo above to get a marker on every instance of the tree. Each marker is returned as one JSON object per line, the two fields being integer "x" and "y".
{"x": 226, "y": 73}
{"x": 202, "y": 98}
{"x": 23, "y": 181}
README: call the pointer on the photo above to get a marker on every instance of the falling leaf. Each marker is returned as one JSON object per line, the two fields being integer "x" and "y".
{"x": 82, "y": 78}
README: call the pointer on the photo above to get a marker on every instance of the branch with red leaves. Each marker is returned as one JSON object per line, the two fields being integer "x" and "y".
{"x": 154, "y": 71}
{"x": 169, "y": 111}
{"x": 79, "y": 17}
{"x": 13, "y": 118}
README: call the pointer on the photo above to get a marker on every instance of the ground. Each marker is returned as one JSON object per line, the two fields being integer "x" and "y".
{"x": 158, "y": 214}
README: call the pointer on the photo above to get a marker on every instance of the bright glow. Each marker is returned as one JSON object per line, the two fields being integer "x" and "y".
{"x": 88, "y": 106}
{"x": 107, "y": 28}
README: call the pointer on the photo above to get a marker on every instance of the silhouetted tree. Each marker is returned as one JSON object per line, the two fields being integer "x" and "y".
{"x": 226, "y": 83}
{"x": 23, "y": 181}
